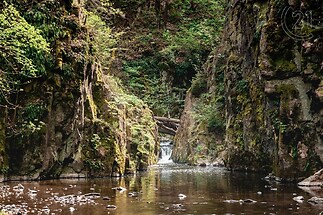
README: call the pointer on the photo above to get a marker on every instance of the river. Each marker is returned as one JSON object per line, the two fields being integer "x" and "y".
{"x": 166, "y": 188}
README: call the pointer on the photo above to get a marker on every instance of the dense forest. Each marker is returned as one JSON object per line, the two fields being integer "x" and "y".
{"x": 82, "y": 81}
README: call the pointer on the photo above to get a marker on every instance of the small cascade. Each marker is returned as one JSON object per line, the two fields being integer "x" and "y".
{"x": 166, "y": 148}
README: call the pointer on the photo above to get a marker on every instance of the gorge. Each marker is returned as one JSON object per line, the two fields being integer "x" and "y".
{"x": 82, "y": 82}
{"x": 265, "y": 80}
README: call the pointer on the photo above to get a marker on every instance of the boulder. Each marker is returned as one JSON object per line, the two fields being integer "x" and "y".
{"x": 315, "y": 200}
{"x": 299, "y": 199}
{"x": 315, "y": 180}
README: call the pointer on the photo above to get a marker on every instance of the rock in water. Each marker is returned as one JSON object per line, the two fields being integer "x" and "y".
{"x": 106, "y": 198}
{"x": 121, "y": 189}
{"x": 133, "y": 194}
{"x": 97, "y": 195}
{"x": 231, "y": 201}
{"x": 299, "y": 199}
{"x": 111, "y": 207}
{"x": 181, "y": 196}
{"x": 248, "y": 201}
{"x": 315, "y": 180}
{"x": 316, "y": 200}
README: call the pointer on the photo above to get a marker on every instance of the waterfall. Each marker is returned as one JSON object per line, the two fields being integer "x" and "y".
{"x": 166, "y": 148}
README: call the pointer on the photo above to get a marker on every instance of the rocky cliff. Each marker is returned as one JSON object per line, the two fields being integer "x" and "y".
{"x": 75, "y": 120}
{"x": 270, "y": 65}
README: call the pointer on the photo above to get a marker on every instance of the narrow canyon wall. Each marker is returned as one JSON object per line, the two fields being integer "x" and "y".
{"x": 75, "y": 121}
{"x": 271, "y": 60}
{"x": 102, "y": 132}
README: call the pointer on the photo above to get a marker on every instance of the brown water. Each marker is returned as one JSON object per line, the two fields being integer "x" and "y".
{"x": 206, "y": 190}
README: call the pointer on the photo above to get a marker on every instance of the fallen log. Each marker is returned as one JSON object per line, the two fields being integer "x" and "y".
{"x": 167, "y": 125}
{"x": 165, "y": 130}
{"x": 165, "y": 119}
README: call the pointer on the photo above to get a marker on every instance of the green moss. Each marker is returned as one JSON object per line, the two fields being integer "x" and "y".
{"x": 4, "y": 166}
{"x": 287, "y": 89}
{"x": 33, "y": 112}
{"x": 99, "y": 155}
{"x": 233, "y": 58}
{"x": 282, "y": 65}
{"x": 199, "y": 86}
{"x": 287, "y": 92}
{"x": 124, "y": 136}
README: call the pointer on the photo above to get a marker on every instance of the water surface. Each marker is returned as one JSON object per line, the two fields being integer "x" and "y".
{"x": 157, "y": 191}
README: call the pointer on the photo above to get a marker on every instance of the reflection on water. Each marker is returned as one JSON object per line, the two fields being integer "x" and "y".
{"x": 157, "y": 192}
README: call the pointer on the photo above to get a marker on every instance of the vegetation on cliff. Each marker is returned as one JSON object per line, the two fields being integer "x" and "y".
{"x": 81, "y": 80}
{"x": 62, "y": 112}
{"x": 23, "y": 52}
{"x": 269, "y": 73}
{"x": 164, "y": 45}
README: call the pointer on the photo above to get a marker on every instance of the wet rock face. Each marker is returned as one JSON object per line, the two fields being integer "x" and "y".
{"x": 194, "y": 142}
{"x": 99, "y": 133}
{"x": 83, "y": 125}
{"x": 315, "y": 180}
{"x": 181, "y": 151}
{"x": 272, "y": 88}
{"x": 272, "y": 82}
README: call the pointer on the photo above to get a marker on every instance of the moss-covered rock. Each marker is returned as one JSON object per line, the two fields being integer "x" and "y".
{"x": 3, "y": 154}
{"x": 272, "y": 90}
{"x": 76, "y": 120}
{"x": 199, "y": 138}
{"x": 104, "y": 132}
{"x": 283, "y": 135}
{"x": 123, "y": 129}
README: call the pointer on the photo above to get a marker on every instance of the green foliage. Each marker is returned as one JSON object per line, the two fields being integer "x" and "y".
{"x": 23, "y": 52}
{"x": 242, "y": 86}
{"x": 199, "y": 85}
{"x": 200, "y": 8}
{"x": 167, "y": 59}
{"x": 201, "y": 24}
{"x": 33, "y": 112}
{"x": 22, "y": 48}
{"x": 103, "y": 8}
{"x": 163, "y": 100}
{"x": 57, "y": 23}
{"x": 47, "y": 17}
{"x": 29, "y": 127}
{"x": 96, "y": 141}
{"x": 26, "y": 130}
{"x": 58, "y": 27}
{"x": 94, "y": 165}
{"x": 197, "y": 36}
{"x": 199, "y": 149}
{"x": 103, "y": 39}
{"x": 29, "y": 121}
{"x": 4, "y": 170}
{"x": 209, "y": 112}
{"x": 145, "y": 82}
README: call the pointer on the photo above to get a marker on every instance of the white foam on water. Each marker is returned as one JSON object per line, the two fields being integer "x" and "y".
{"x": 166, "y": 149}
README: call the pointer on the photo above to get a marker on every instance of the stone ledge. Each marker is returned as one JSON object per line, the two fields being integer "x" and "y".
{"x": 315, "y": 180}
